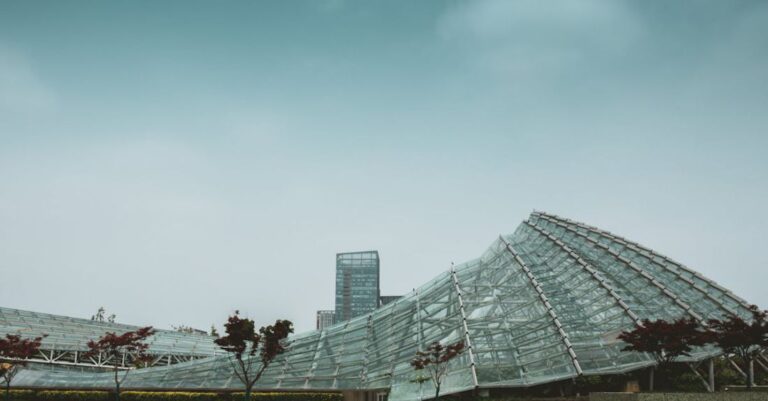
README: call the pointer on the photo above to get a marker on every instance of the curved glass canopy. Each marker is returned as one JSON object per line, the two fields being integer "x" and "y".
{"x": 543, "y": 304}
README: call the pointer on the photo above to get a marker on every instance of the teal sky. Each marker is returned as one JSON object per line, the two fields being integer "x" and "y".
{"x": 176, "y": 160}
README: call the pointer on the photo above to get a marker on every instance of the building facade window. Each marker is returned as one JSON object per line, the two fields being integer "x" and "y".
{"x": 357, "y": 284}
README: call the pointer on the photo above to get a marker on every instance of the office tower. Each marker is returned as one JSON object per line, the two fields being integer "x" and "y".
{"x": 324, "y": 318}
{"x": 357, "y": 284}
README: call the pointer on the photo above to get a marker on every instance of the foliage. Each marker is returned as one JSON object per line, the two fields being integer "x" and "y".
{"x": 247, "y": 347}
{"x": 435, "y": 361}
{"x": 14, "y": 351}
{"x": 68, "y": 395}
{"x": 665, "y": 341}
{"x": 195, "y": 396}
{"x": 214, "y": 332}
{"x": 679, "y": 378}
{"x": 114, "y": 346}
{"x": 744, "y": 339}
{"x": 101, "y": 316}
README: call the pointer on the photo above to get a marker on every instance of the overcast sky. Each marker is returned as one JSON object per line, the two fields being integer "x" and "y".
{"x": 174, "y": 161}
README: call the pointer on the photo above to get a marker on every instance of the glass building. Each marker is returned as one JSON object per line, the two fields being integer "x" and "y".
{"x": 324, "y": 319}
{"x": 357, "y": 284}
{"x": 67, "y": 339}
{"x": 542, "y": 305}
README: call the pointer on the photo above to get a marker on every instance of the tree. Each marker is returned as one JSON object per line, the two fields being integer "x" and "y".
{"x": 435, "y": 361}
{"x": 243, "y": 345}
{"x": 101, "y": 316}
{"x": 665, "y": 341}
{"x": 744, "y": 339}
{"x": 214, "y": 332}
{"x": 116, "y": 346}
{"x": 14, "y": 351}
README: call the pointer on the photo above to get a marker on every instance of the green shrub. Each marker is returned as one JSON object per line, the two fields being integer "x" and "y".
{"x": 71, "y": 395}
{"x": 22, "y": 395}
{"x": 57, "y": 395}
{"x": 171, "y": 396}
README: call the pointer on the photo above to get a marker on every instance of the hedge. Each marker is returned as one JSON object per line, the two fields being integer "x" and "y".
{"x": 69, "y": 395}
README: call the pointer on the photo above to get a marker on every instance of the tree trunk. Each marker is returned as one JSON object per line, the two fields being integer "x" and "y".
{"x": 650, "y": 379}
{"x": 8, "y": 390}
{"x": 661, "y": 377}
{"x": 437, "y": 392}
{"x": 248, "y": 388}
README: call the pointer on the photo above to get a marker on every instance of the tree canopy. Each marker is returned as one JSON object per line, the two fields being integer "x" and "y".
{"x": 435, "y": 360}
{"x": 14, "y": 352}
{"x": 247, "y": 346}
{"x": 665, "y": 341}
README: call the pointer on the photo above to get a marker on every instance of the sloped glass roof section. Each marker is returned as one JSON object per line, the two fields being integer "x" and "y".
{"x": 68, "y": 336}
{"x": 543, "y": 304}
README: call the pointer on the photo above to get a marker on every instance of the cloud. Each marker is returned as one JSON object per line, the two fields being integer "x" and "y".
{"x": 489, "y": 19}
{"x": 736, "y": 66}
{"x": 530, "y": 36}
{"x": 21, "y": 89}
{"x": 330, "y": 5}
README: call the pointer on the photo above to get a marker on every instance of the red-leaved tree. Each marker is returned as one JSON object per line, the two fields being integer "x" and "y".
{"x": 14, "y": 352}
{"x": 114, "y": 347}
{"x": 435, "y": 361}
{"x": 742, "y": 338}
{"x": 251, "y": 352}
{"x": 665, "y": 341}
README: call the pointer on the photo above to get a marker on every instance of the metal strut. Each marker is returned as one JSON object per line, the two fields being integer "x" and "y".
{"x": 678, "y": 274}
{"x": 591, "y": 270}
{"x": 661, "y": 287}
{"x": 641, "y": 248}
{"x": 312, "y": 366}
{"x": 547, "y": 305}
{"x": 368, "y": 329}
{"x": 466, "y": 328}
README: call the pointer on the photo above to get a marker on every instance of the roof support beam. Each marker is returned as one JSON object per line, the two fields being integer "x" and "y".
{"x": 591, "y": 270}
{"x": 545, "y": 302}
{"x": 420, "y": 328}
{"x": 368, "y": 329}
{"x": 681, "y": 266}
{"x": 663, "y": 289}
{"x": 312, "y": 365}
{"x": 703, "y": 380}
{"x": 391, "y": 340}
{"x": 678, "y": 274}
{"x": 464, "y": 325}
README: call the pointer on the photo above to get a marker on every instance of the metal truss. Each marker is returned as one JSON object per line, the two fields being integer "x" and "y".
{"x": 666, "y": 261}
{"x": 542, "y": 305}
{"x": 66, "y": 358}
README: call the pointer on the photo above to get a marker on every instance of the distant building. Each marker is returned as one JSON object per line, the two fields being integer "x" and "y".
{"x": 385, "y": 299}
{"x": 325, "y": 318}
{"x": 357, "y": 284}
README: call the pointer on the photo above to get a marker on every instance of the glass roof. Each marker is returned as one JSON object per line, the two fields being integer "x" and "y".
{"x": 540, "y": 305}
{"x": 72, "y": 334}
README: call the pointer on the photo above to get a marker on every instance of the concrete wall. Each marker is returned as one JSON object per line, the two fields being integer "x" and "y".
{"x": 731, "y": 396}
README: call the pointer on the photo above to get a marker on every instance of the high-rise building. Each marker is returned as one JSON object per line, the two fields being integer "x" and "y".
{"x": 385, "y": 299}
{"x": 357, "y": 284}
{"x": 325, "y": 318}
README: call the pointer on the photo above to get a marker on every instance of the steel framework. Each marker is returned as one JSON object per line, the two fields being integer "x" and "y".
{"x": 65, "y": 344}
{"x": 541, "y": 305}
